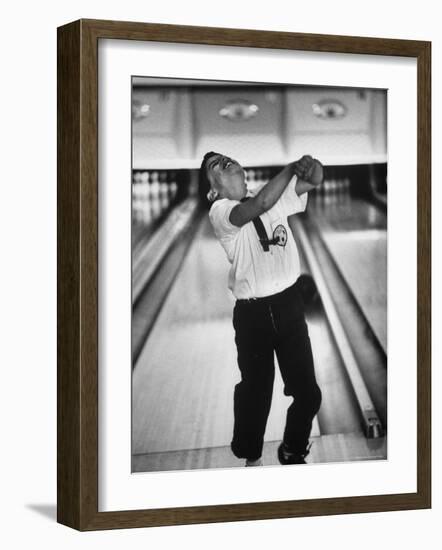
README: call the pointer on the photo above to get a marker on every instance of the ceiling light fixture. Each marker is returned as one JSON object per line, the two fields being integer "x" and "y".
{"x": 140, "y": 110}
{"x": 330, "y": 109}
{"x": 238, "y": 110}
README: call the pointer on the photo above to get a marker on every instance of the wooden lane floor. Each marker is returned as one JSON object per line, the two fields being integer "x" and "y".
{"x": 350, "y": 447}
{"x": 182, "y": 396}
{"x": 339, "y": 411}
{"x": 356, "y": 235}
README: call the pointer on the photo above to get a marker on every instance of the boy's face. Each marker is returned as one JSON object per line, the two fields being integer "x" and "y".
{"x": 227, "y": 177}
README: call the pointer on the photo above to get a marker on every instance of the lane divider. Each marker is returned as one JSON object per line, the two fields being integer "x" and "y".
{"x": 371, "y": 422}
{"x": 150, "y": 258}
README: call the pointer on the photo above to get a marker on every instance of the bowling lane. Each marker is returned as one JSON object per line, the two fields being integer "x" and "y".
{"x": 355, "y": 233}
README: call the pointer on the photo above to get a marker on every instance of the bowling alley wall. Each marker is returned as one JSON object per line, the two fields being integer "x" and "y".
{"x": 175, "y": 122}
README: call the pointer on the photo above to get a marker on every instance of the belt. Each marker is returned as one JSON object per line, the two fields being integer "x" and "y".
{"x": 268, "y": 299}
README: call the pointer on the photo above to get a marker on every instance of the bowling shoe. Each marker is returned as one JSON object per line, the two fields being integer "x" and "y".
{"x": 286, "y": 457}
{"x": 257, "y": 462}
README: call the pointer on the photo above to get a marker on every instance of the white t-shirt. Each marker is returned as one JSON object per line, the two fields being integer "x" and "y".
{"x": 255, "y": 273}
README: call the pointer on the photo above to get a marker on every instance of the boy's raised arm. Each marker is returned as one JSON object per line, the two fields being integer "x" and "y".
{"x": 307, "y": 173}
{"x": 265, "y": 199}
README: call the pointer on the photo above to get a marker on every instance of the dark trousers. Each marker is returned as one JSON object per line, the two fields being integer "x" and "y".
{"x": 262, "y": 327}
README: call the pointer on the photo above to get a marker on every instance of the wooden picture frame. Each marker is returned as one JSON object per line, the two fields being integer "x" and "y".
{"x": 77, "y": 223}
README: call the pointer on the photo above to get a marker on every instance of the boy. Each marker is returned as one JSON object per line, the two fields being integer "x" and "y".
{"x": 268, "y": 316}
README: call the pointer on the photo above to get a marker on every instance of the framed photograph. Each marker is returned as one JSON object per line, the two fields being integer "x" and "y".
{"x": 243, "y": 274}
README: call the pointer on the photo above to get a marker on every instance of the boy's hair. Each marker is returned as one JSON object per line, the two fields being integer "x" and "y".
{"x": 203, "y": 180}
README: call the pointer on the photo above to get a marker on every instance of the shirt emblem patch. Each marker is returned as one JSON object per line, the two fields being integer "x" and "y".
{"x": 280, "y": 235}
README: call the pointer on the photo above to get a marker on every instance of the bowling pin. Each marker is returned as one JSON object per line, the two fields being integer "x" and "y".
{"x": 173, "y": 189}
{"x": 335, "y": 191}
{"x": 142, "y": 190}
{"x": 154, "y": 195}
{"x": 145, "y": 189}
{"x": 163, "y": 191}
{"x": 144, "y": 199}
{"x": 164, "y": 199}
{"x": 136, "y": 195}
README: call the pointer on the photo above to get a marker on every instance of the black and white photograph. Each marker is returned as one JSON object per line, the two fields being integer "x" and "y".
{"x": 259, "y": 274}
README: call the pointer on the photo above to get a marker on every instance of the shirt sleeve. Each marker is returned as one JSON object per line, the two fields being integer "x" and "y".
{"x": 219, "y": 216}
{"x": 291, "y": 202}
